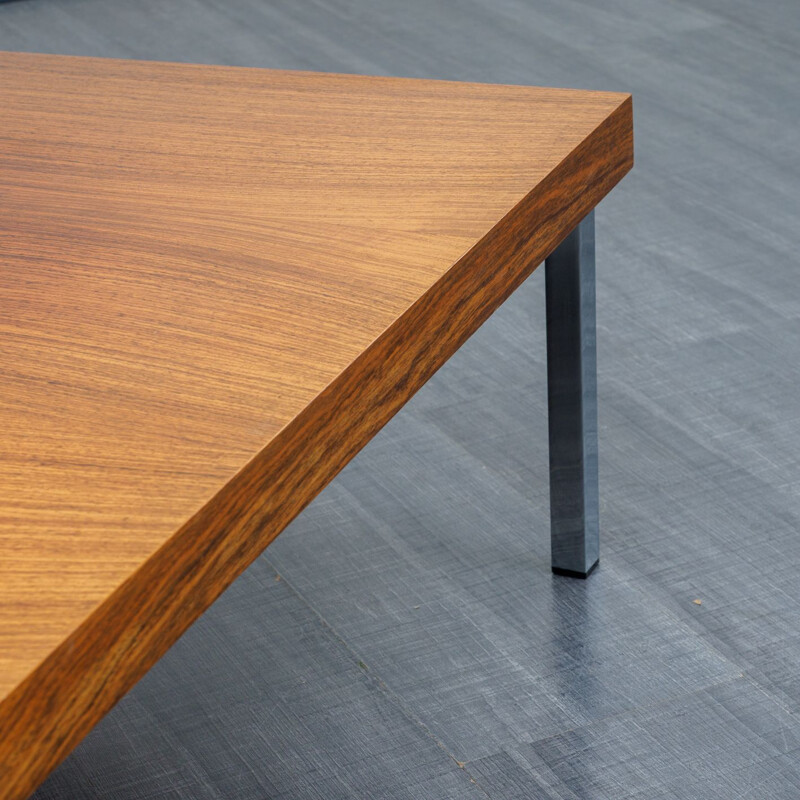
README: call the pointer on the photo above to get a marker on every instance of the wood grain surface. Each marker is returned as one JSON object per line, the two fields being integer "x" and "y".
{"x": 216, "y": 285}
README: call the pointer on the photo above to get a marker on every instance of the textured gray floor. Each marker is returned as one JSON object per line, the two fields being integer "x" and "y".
{"x": 416, "y": 645}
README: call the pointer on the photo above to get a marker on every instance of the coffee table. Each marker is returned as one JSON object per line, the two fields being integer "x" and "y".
{"x": 217, "y": 284}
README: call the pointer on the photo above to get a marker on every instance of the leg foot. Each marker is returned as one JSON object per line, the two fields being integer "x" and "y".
{"x": 568, "y": 573}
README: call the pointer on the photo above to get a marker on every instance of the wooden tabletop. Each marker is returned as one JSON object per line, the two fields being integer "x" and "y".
{"x": 216, "y": 284}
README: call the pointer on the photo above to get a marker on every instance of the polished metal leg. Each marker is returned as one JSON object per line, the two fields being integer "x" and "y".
{"x": 572, "y": 401}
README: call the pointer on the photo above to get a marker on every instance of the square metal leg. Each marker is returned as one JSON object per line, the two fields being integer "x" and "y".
{"x": 572, "y": 403}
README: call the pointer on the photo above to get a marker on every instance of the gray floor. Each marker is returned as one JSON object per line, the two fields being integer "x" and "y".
{"x": 405, "y": 638}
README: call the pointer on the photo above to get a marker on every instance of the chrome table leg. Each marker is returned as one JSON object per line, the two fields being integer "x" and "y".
{"x": 572, "y": 402}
